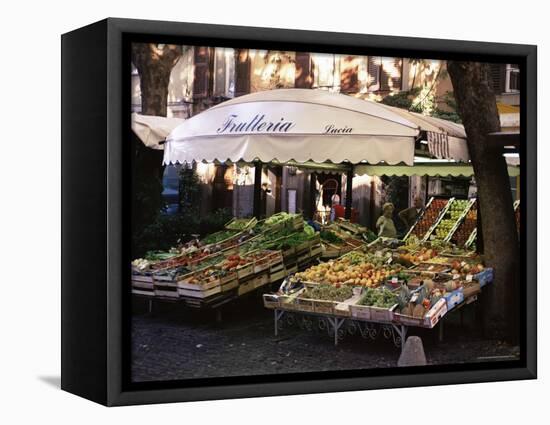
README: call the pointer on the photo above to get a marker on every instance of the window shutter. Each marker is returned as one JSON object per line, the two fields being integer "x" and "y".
{"x": 304, "y": 71}
{"x": 373, "y": 69}
{"x": 514, "y": 78}
{"x": 202, "y": 73}
{"x": 349, "y": 78}
{"x": 242, "y": 72}
{"x": 220, "y": 71}
{"x": 498, "y": 77}
{"x": 390, "y": 75}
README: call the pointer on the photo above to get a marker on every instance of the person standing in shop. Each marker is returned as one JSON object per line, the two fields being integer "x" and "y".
{"x": 409, "y": 215}
{"x": 385, "y": 224}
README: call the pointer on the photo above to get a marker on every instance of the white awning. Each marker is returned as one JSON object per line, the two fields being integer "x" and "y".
{"x": 152, "y": 130}
{"x": 294, "y": 125}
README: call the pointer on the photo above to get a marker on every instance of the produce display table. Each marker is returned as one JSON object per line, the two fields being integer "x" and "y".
{"x": 334, "y": 325}
{"x": 381, "y": 290}
{"x": 337, "y": 325}
{"x": 229, "y": 263}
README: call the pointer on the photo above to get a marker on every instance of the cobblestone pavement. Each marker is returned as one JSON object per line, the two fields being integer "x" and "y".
{"x": 176, "y": 343}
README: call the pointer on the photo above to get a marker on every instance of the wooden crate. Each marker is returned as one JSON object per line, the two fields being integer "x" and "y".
{"x": 408, "y": 320}
{"x": 261, "y": 280}
{"x": 245, "y": 270}
{"x": 324, "y": 307}
{"x": 378, "y": 314}
{"x": 203, "y": 293}
{"x": 304, "y": 304}
{"x": 146, "y": 278}
{"x": 302, "y": 246}
{"x": 143, "y": 285}
{"x": 289, "y": 252}
{"x": 271, "y": 301}
{"x": 291, "y": 269}
{"x": 144, "y": 292}
{"x": 246, "y": 286}
{"x": 274, "y": 276}
{"x": 303, "y": 257}
{"x": 229, "y": 276}
{"x": 316, "y": 251}
{"x": 165, "y": 281}
{"x": 162, "y": 290}
{"x": 228, "y": 286}
{"x": 261, "y": 265}
{"x": 201, "y": 286}
{"x": 359, "y": 311}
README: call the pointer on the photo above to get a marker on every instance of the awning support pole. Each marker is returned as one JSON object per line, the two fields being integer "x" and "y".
{"x": 257, "y": 189}
{"x": 349, "y": 189}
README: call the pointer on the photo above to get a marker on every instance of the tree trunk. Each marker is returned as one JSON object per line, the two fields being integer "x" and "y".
{"x": 477, "y": 107}
{"x": 154, "y": 63}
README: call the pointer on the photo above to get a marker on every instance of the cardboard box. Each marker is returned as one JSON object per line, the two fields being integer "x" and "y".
{"x": 454, "y": 298}
{"x": 485, "y": 277}
{"x": 435, "y": 313}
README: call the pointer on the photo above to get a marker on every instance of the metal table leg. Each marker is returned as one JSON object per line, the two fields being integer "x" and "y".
{"x": 401, "y": 335}
{"x": 277, "y": 314}
{"x": 336, "y": 324}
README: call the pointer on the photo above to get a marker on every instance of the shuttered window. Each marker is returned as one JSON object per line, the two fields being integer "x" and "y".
{"x": 384, "y": 74}
{"x": 349, "y": 74}
{"x": 242, "y": 72}
{"x": 373, "y": 70}
{"x": 512, "y": 78}
{"x": 202, "y": 76}
{"x": 304, "y": 71}
{"x": 390, "y": 74}
{"x": 326, "y": 71}
{"x": 224, "y": 73}
{"x": 498, "y": 77}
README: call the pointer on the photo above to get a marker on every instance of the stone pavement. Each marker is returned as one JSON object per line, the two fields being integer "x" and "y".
{"x": 176, "y": 343}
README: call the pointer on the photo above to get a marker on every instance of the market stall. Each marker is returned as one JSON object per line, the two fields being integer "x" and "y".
{"x": 312, "y": 130}
{"x": 381, "y": 289}
{"x": 245, "y": 256}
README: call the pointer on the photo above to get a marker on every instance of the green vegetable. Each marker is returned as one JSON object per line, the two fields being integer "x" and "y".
{"x": 378, "y": 297}
{"x": 218, "y": 236}
{"x": 328, "y": 293}
{"x": 310, "y": 231}
{"x": 331, "y": 237}
{"x": 159, "y": 255}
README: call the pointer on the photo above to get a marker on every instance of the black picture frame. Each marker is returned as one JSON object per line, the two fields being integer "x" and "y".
{"x": 95, "y": 220}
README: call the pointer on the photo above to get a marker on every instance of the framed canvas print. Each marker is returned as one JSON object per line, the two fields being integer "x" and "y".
{"x": 253, "y": 212}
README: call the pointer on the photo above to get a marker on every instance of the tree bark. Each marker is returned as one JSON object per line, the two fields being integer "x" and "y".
{"x": 477, "y": 107}
{"x": 154, "y": 63}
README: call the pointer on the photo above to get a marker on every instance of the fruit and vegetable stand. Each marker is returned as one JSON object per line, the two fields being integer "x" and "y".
{"x": 229, "y": 263}
{"x": 377, "y": 290}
